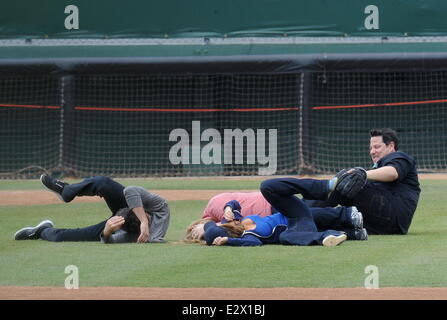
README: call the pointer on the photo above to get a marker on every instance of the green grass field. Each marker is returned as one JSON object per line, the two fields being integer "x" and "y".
{"x": 414, "y": 260}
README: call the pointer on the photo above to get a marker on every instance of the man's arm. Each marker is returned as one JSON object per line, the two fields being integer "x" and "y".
{"x": 383, "y": 174}
{"x": 119, "y": 236}
{"x": 112, "y": 232}
{"x": 134, "y": 201}
{"x": 144, "y": 224}
{"x": 112, "y": 225}
{"x": 142, "y": 202}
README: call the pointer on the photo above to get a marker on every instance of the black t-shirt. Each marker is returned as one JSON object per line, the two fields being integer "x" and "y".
{"x": 406, "y": 188}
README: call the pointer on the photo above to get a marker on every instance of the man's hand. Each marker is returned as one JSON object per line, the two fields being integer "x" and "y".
{"x": 350, "y": 183}
{"x": 220, "y": 241}
{"x": 112, "y": 225}
{"x": 144, "y": 233}
{"x": 144, "y": 224}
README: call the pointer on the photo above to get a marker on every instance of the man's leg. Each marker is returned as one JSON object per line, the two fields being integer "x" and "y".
{"x": 91, "y": 233}
{"x": 320, "y": 203}
{"x": 328, "y": 238}
{"x": 377, "y": 205}
{"x": 110, "y": 190}
{"x": 312, "y": 189}
{"x": 280, "y": 193}
{"x": 378, "y": 209}
{"x": 346, "y": 219}
{"x": 337, "y": 218}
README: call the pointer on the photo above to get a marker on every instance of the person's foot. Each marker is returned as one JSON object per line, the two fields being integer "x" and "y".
{"x": 332, "y": 240}
{"x": 356, "y": 218}
{"x": 32, "y": 233}
{"x": 360, "y": 234}
{"x": 53, "y": 185}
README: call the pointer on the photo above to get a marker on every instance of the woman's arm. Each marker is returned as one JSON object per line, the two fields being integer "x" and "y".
{"x": 246, "y": 241}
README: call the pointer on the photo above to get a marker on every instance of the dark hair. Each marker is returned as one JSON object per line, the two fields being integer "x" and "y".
{"x": 388, "y": 135}
{"x": 131, "y": 221}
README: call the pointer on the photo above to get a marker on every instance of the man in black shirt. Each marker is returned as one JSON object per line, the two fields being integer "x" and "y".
{"x": 387, "y": 201}
{"x": 391, "y": 194}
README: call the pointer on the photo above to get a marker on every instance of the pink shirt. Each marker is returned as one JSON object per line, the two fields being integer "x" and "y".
{"x": 251, "y": 203}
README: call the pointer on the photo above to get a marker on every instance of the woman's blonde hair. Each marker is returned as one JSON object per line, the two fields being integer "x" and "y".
{"x": 188, "y": 235}
{"x": 234, "y": 230}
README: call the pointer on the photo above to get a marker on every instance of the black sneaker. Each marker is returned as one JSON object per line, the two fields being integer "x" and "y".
{"x": 53, "y": 185}
{"x": 360, "y": 234}
{"x": 32, "y": 233}
{"x": 356, "y": 218}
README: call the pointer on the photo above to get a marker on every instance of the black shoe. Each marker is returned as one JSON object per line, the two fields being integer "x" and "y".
{"x": 32, "y": 233}
{"x": 53, "y": 185}
{"x": 360, "y": 234}
{"x": 356, "y": 218}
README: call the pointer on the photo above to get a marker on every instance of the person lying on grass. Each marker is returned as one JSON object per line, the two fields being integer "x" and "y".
{"x": 255, "y": 231}
{"x": 123, "y": 227}
{"x": 151, "y": 210}
{"x": 251, "y": 203}
{"x": 346, "y": 219}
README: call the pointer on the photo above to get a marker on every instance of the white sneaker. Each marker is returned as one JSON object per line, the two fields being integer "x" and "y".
{"x": 332, "y": 241}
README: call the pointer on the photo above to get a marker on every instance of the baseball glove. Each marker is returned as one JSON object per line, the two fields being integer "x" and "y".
{"x": 351, "y": 182}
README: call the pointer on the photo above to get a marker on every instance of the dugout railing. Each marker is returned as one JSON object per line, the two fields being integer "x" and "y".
{"x": 205, "y": 116}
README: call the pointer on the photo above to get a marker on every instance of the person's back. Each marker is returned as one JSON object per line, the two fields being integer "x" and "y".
{"x": 265, "y": 226}
{"x": 251, "y": 203}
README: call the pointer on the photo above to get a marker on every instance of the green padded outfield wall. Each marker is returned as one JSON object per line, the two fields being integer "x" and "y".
{"x": 103, "y": 107}
{"x": 217, "y": 18}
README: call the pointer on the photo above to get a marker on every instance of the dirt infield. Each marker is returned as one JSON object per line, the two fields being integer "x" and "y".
{"x": 33, "y": 197}
{"x": 235, "y": 294}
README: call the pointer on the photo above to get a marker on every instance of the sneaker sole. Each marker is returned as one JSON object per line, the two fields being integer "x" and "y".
{"x": 57, "y": 194}
{"x": 332, "y": 241}
{"x": 32, "y": 228}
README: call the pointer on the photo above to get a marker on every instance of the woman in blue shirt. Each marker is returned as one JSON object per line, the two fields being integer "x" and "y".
{"x": 256, "y": 230}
